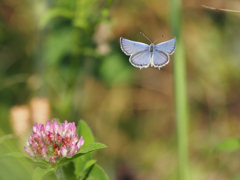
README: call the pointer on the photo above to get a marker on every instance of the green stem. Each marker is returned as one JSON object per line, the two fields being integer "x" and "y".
{"x": 179, "y": 68}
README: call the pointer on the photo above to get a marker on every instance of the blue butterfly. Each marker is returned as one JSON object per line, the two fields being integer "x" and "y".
{"x": 142, "y": 55}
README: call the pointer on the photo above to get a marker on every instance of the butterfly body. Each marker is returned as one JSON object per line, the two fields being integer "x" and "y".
{"x": 151, "y": 49}
{"x": 143, "y": 55}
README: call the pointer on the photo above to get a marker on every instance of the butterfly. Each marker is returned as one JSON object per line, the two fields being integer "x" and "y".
{"x": 142, "y": 55}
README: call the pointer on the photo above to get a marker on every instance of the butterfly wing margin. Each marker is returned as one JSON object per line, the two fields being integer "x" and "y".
{"x": 131, "y": 47}
{"x": 160, "y": 59}
{"x": 141, "y": 59}
{"x": 167, "y": 47}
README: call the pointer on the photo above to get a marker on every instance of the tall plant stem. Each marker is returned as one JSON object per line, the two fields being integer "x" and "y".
{"x": 179, "y": 69}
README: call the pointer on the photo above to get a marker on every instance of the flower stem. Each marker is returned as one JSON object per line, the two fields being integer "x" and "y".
{"x": 179, "y": 68}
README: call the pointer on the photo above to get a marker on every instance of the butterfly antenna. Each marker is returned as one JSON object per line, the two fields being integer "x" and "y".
{"x": 145, "y": 37}
{"x": 158, "y": 39}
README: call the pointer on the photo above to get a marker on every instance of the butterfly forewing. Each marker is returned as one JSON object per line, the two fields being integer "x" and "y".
{"x": 167, "y": 47}
{"x": 160, "y": 58}
{"x": 141, "y": 59}
{"x": 132, "y": 47}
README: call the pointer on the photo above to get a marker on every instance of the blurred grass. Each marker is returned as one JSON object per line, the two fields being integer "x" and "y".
{"x": 49, "y": 49}
{"x": 180, "y": 87}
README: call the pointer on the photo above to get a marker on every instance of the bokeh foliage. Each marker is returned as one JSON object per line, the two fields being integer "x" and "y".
{"x": 68, "y": 52}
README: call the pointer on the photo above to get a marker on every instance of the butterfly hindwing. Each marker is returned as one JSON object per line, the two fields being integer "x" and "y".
{"x": 140, "y": 59}
{"x": 160, "y": 59}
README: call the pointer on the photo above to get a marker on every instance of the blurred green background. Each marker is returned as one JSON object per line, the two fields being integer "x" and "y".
{"x": 61, "y": 58}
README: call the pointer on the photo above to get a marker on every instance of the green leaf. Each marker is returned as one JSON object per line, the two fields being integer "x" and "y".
{"x": 229, "y": 145}
{"x": 83, "y": 130}
{"x": 97, "y": 173}
{"x": 91, "y": 147}
{"x": 40, "y": 172}
{"x": 87, "y": 167}
{"x": 89, "y": 164}
{"x": 80, "y": 162}
{"x": 16, "y": 155}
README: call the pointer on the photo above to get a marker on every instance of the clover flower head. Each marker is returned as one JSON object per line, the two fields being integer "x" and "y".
{"x": 53, "y": 141}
